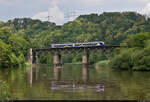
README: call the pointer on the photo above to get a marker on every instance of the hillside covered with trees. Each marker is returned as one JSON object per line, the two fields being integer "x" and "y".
{"x": 18, "y": 35}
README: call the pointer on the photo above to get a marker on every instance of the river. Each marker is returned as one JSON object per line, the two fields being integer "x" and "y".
{"x": 76, "y": 82}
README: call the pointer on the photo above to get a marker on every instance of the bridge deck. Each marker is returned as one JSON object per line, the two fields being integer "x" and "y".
{"x": 76, "y": 48}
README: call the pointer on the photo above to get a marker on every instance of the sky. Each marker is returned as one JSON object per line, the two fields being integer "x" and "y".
{"x": 61, "y": 11}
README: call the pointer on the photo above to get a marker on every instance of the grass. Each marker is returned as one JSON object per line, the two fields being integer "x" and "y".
{"x": 104, "y": 63}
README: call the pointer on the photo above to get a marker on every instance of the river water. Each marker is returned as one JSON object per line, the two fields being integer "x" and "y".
{"x": 76, "y": 82}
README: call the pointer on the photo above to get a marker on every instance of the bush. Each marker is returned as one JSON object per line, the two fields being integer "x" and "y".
{"x": 5, "y": 51}
{"x": 136, "y": 57}
{"x": 124, "y": 60}
{"x": 104, "y": 63}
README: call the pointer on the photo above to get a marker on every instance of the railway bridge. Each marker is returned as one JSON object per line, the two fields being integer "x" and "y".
{"x": 57, "y": 52}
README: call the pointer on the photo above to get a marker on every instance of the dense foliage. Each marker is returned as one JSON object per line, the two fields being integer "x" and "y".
{"x": 13, "y": 49}
{"x": 17, "y": 35}
{"x": 112, "y": 28}
{"x": 136, "y": 57}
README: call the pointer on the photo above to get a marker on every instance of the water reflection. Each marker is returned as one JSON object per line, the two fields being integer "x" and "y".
{"x": 85, "y": 72}
{"x": 33, "y": 74}
{"x": 57, "y": 84}
{"x": 71, "y": 86}
{"x": 31, "y": 77}
{"x": 76, "y": 82}
{"x": 57, "y": 72}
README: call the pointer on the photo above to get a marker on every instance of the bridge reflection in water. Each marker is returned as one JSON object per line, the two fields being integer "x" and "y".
{"x": 85, "y": 72}
{"x": 57, "y": 72}
{"x": 59, "y": 84}
{"x": 33, "y": 74}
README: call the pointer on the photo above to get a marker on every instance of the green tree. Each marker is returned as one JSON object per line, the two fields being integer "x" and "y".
{"x": 18, "y": 44}
{"x": 136, "y": 56}
{"x": 5, "y": 52}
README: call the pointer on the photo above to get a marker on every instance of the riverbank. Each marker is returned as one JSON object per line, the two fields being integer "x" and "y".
{"x": 28, "y": 64}
{"x": 103, "y": 63}
{"x": 107, "y": 63}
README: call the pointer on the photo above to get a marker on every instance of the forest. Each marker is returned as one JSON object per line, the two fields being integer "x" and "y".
{"x": 114, "y": 28}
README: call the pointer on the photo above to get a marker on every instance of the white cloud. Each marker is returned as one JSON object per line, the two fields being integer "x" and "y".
{"x": 55, "y": 14}
{"x": 27, "y": 8}
{"x": 143, "y": 0}
{"x": 42, "y": 16}
{"x": 146, "y": 9}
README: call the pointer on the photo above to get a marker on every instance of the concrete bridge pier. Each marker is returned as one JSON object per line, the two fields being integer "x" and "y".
{"x": 85, "y": 58}
{"x": 57, "y": 59}
{"x": 30, "y": 56}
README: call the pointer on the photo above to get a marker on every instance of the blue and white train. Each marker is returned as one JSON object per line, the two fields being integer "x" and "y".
{"x": 83, "y": 44}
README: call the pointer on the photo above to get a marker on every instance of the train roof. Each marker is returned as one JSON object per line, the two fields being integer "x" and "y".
{"x": 76, "y": 43}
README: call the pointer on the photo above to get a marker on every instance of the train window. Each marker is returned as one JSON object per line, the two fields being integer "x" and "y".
{"x": 77, "y": 44}
{"x": 69, "y": 45}
{"x": 58, "y": 45}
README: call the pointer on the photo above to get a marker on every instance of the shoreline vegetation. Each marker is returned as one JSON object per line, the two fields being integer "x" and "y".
{"x": 28, "y": 64}
{"x": 104, "y": 63}
{"x": 114, "y": 28}
{"x": 135, "y": 57}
